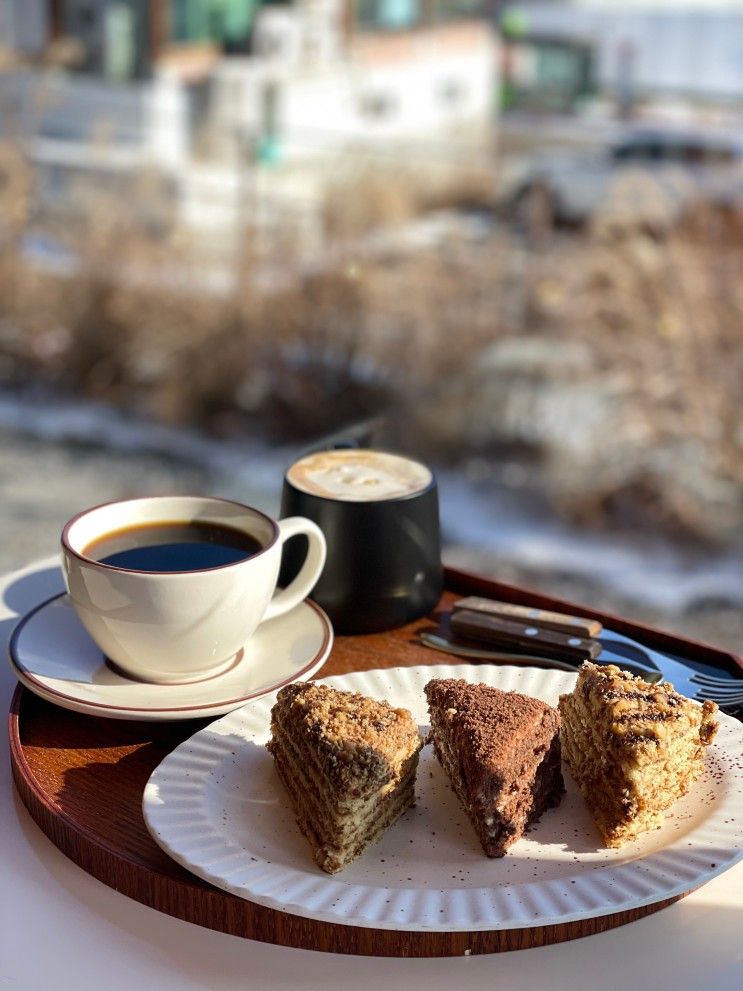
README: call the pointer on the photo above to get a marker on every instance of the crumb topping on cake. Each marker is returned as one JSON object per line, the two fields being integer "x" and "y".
{"x": 642, "y": 713}
{"x": 361, "y": 742}
{"x": 493, "y": 722}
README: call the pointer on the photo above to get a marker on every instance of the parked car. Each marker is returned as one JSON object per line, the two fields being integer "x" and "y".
{"x": 646, "y": 176}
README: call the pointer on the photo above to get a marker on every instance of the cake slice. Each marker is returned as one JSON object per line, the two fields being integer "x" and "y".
{"x": 633, "y": 748}
{"x": 348, "y": 764}
{"x": 501, "y": 751}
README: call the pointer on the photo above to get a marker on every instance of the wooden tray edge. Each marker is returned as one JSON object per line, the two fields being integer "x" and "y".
{"x": 193, "y": 900}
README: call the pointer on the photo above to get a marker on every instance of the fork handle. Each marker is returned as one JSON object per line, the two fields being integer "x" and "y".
{"x": 562, "y": 622}
{"x": 488, "y": 629}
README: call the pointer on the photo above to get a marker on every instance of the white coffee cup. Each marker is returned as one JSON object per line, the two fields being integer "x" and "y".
{"x": 182, "y": 626}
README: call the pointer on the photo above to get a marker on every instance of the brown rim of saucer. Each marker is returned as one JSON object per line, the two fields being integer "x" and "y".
{"x": 164, "y": 574}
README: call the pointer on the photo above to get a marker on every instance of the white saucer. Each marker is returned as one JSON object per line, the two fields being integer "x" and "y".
{"x": 51, "y": 654}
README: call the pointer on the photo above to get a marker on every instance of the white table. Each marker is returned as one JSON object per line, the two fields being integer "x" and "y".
{"x": 60, "y": 928}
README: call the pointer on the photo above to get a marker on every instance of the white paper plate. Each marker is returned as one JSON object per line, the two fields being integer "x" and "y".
{"x": 216, "y": 806}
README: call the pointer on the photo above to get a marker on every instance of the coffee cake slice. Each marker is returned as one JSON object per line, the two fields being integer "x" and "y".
{"x": 632, "y": 748}
{"x": 348, "y": 764}
{"x": 501, "y": 752}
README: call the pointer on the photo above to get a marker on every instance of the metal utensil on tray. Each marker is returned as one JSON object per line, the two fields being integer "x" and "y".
{"x": 523, "y": 633}
{"x": 506, "y": 654}
{"x": 446, "y": 646}
{"x": 575, "y": 639}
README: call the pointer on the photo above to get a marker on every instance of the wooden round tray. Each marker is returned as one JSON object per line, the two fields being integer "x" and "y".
{"x": 82, "y": 780}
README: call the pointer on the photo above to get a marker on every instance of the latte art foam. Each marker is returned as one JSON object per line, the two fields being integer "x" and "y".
{"x": 359, "y": 476}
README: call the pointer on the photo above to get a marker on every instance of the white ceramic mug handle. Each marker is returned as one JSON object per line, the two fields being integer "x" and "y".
{"x": 300, "y": 588}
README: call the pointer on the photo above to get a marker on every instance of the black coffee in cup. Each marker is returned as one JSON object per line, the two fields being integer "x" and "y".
{"x": 379, "y": 513}
{"x": 172, "y": 546}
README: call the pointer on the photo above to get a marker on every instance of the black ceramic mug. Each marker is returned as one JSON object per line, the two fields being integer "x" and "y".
{"x": 379, "y": 513}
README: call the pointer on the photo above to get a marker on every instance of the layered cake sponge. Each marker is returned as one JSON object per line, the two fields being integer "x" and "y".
{"x": 348, "y": 764}
{"x": 633, "y": 748}
{"x": 501, "y": 752}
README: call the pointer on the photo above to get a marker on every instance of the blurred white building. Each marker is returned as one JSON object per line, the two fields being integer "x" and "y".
{"x": 274, "y": 97}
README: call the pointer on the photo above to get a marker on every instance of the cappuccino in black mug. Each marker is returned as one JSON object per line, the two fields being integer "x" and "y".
{"x": 379, "y": 513}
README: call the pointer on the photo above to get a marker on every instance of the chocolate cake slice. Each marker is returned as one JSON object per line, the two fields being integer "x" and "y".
{"x": 632, "y": 748}
{"x": 348, "y": 764}
{"x": 501, "y": 751}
